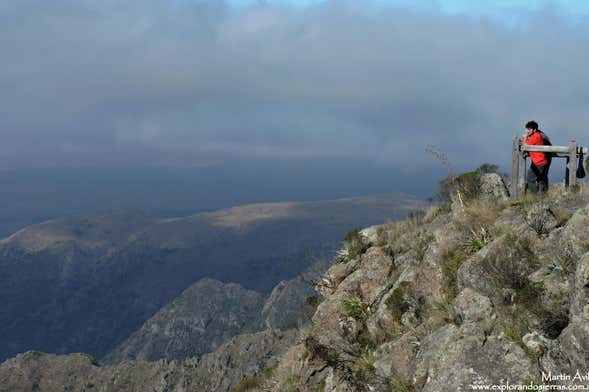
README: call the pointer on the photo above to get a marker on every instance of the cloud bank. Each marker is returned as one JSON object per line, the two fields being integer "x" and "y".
{"x": 196, "y": 82}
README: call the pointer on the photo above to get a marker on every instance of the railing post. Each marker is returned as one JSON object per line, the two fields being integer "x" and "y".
{"x": 514, "y": 167}
{"x": 521, "y": 183}
{"x": 572, "y": 164}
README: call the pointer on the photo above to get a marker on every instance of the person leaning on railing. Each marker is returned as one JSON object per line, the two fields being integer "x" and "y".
{"x": 537, "y": 178}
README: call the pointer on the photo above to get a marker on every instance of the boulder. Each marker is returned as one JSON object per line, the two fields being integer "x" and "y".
{"x": 576, "y": 232}
{"x": 285, "y": 307}
{"x": 394, "y": 360}
{"x": 470, "y": 306}
{"x": 493, "y": 186}
{"x": 460, "y": 357}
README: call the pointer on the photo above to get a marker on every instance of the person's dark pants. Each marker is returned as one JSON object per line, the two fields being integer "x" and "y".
{"x": 537, "y": 178}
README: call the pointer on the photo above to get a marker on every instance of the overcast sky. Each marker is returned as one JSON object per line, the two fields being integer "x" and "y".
{"x": 189, "y": 82}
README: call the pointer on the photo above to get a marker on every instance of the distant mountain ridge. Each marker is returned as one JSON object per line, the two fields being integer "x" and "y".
{"x": 85, "y": 283}
{"x": 218, "y": 371}
{"x": 196, "y": 322}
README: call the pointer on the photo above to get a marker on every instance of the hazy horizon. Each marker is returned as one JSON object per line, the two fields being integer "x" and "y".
{"x": 189, "y": 105}
{"x": 174, "y": 191}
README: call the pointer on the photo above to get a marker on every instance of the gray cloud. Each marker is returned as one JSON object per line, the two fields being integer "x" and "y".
{"x": 132, "y": 82}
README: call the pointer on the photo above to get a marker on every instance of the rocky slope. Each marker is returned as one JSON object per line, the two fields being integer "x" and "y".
{"x": 210, "y": 312}
{"x": 485, "y": 293}
{"x": 197, "y": 322}
{"x": 86, "y": 283}
{"x": 218, "y": 371}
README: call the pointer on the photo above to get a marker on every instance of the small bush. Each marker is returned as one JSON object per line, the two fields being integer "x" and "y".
{"x": 421, "y": 244}
{"x": 531, "y": 298}
{"x": 364, "y": 368}
{"x": 248, "y": 384}
{"x": 404, "y": 386}
{"x": 525, "y": 202}
{"x": 476, "y": 221}
{"x": 356, "y": 309}
{"x": 451, "y": 262}
{"x": 443, "y": 311}
{"x": 354, "y": 246}
{"x": 565, "y": 258}
{"x": 392, "y": 237}
{"x": 529, "y": 295}
{"x": 479, "y": 240}
{"x": 510, "y": 266}
{"x": 467, "y": 184}
{"x": 529, "y": 304}
{"x": 255, "y": 382}
{"x": 541, "y": 220}
{"x": 515, "y": 325}
{"x": 396, "y": 302}
{"x": 312, "y": 301}
{"x": 416, "y": 216}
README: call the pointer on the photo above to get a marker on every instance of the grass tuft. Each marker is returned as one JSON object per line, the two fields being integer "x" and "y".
{"x": 451, "y": 262}
{"x": 396, "y": 302}
{"x": 356, "y": 309}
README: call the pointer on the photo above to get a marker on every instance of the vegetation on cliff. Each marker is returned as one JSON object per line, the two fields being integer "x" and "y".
{"x": 476, "y": 291}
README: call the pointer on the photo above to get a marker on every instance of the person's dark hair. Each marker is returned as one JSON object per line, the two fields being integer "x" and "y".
{"x": 532, "y": 125}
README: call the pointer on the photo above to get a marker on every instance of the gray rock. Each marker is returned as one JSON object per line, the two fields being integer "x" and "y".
{"x": 395, "y": 359}
{"x": 503, "y": 264}
{"x": 535, "y": 342}
{"x": 571, "y": 348}
{"x": 493, "y": 186}
{"x": 370, "y": 235}
{"x": 459, "y": 358}
{"x": 472, "y": 307}
{"x": 576, "y": 232}
{"x": 285, "y": 307}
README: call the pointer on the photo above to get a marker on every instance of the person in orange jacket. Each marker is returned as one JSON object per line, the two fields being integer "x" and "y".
{"x": 537, "y": 178}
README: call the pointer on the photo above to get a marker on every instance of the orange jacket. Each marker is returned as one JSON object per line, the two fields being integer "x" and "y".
{"x": 538, "y": 158}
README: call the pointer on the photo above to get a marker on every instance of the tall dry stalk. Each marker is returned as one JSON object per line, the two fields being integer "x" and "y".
{"x": 443, "y": 158}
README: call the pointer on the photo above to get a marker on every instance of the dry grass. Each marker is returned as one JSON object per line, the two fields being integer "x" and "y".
{"x": 512, "y": 262}
{"x": 480, "y": 213}
{"x": 401, "y": 237}
{"x": 476, "y": 222}
{"x": 556, "y": 190}
{"x": 559, "y": 189}
{"x": 432, "y": 213}
{"x": 391, "y": 235}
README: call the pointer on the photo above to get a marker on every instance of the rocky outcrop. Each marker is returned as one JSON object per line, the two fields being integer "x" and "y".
{"x": 285, "y": 307}
{"x": 197, "y": 322}
{"x": 233, "y": 362}
{"x": 487, "y": 293}
{"x": 493, "y": 186}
